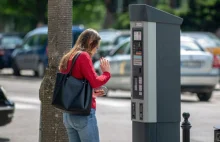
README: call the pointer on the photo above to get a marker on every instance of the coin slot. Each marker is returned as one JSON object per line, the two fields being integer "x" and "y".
{"x": 133, "y": 110}
{"x": 140, "y": 70}
{"x": 141, "y": 111}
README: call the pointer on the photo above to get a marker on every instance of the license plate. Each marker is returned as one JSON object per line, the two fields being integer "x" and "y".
{"x": 10, "y": 115}
{"x": 192, "y": 64}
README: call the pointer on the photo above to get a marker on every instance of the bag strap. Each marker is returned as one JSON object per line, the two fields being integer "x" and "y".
{"x": 73, "y": 62}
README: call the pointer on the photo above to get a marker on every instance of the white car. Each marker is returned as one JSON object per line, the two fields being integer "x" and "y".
{"x": 199, "y": 69}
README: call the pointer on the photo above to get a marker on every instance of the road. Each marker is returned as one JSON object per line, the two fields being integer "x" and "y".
{"x": 113, "y": 113}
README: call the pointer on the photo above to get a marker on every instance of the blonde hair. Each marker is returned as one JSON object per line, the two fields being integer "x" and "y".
{"x": 87, "y": 41}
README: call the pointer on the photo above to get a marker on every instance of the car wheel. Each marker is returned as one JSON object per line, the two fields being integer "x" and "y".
{"x": 40, "y": 70}
{"x": 16, "y": 70}
{"x": 204, "y": 96}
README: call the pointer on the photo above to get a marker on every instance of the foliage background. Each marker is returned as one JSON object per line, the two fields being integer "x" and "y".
{"x": 24, "y": 15}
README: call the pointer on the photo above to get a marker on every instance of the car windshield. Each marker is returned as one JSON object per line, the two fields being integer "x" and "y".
{"x": 206, "y": 40}
{"x": 105, "y": 43}
{"x": 122, "y": 49}
{"x": 107, "y": 37}
{"x": 110, "y": 38}
{"x": 10, "y": 41}
{"x": 121, "y": 38}
{"x": 189, "y": 46}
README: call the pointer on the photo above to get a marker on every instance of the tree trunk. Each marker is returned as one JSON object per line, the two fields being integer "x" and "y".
{"x": 149, "y": 2}
{"x": 109, "y": 16}
{"x": 59, "y": 41}
{"x": 173, "y": 3}
{"x": 40, "y": 11}
{"x": 109, "y": 20}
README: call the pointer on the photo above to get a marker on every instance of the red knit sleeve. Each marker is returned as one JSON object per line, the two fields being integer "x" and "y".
{"x": 88, "y": 71}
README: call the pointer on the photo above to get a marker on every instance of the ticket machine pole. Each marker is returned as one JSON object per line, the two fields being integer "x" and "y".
{"x": 155, "y": 64}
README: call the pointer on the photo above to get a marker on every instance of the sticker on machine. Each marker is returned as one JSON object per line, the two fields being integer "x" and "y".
{"x": 137, "y": 35}
{"x": 138, "y": 53}
{"x": 138, "y": 24}
{"x": 137, "y": 62}
{"x": 138, "y": 57}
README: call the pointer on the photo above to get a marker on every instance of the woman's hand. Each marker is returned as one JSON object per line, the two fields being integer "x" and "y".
{"x": 104, "y": 65}
{"x": 99, "y": 92}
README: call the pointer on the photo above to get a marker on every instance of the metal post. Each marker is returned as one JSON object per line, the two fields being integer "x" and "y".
{"x": 186, "y": 127}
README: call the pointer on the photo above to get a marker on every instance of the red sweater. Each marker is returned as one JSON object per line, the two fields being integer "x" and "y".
{"x": 83, "y": 68}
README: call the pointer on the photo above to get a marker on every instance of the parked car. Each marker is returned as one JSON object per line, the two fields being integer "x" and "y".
{"x": 32, "y": 55}
{"x": 7, "y": 108}
{"x": 119, "y": 59}
{"x": 199, "y": 69}
{"x": 109, "y": 40}
{"x": 8, "y": 43}
{"x": 207, "y": 40}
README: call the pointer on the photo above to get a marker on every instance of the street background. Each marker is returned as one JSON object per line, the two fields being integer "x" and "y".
{"x": 111, "y": 19}
{"x": 113, "y": 113}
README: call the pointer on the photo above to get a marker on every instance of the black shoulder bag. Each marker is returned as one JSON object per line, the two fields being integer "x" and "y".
{"x": 72, "y": 95}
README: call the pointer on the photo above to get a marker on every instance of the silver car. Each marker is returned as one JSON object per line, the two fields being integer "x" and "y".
{"x": 199, "y": 73}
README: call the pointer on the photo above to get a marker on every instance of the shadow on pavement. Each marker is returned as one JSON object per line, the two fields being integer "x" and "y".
{"x": 119, "y": 97}
{"x": 189, "y": 101}
{"x": 4, "y": 140}
{"x": 24, "y": 77}
{"x": 27, "y": 75}
{"x": 129, "y": 98}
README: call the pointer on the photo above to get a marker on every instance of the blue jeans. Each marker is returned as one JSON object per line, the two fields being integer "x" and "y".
{"x": 81, "y": 128}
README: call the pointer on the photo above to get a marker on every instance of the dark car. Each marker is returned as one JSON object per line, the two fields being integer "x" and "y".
{"x": 7, "y": 108}
{"x": 8, "y": 43}
{"x": 32, "y": 55}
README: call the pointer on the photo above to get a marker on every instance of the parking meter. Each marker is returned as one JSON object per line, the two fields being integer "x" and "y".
{"x": 155, "y": 65}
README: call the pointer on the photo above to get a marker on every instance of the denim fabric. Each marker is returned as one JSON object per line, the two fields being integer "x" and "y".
{"x": 81, "y": 128}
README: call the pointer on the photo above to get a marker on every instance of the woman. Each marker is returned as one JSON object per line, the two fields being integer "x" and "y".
{"x": 84, "y": 128}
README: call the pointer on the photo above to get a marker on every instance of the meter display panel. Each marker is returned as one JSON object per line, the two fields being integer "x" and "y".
{"x": 137, "y": 63}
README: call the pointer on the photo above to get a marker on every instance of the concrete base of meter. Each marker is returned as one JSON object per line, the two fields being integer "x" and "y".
{"x": 155, "y": 132}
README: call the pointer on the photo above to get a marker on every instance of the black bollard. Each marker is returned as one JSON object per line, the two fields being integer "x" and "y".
{"x": 186, "y": 127}
{"x": 217, "y": 134}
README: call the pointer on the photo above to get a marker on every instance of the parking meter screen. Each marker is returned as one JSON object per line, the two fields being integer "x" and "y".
{"x": 137, "y": 35}
{"x": 137, "y": 60}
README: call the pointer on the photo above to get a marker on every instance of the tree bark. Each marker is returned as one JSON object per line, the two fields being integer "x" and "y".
{"x": 41, "y": 10}
{"x": 173, "y": 3}
{"x": 109, "y": 20}
{"x": 149, "y": 2}
{"x": 59, "y": 41}
{"x": 109, "y": 16}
